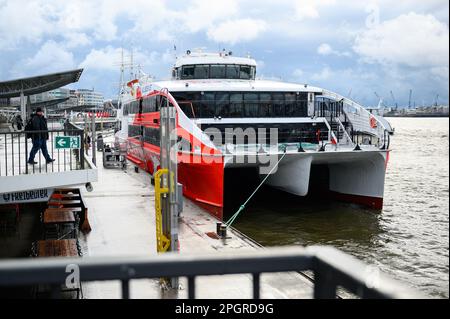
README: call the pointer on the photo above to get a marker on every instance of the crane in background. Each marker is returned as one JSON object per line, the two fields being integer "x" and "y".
{"x": 436, "y": 100}
{"x": 395, "y": 102}
{"x": 380, "y": 100}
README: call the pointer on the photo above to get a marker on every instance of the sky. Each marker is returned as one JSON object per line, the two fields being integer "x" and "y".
{"x": 352, "y": 47}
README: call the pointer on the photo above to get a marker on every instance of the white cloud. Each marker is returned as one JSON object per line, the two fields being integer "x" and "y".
{"x": 441, "y": 72}
{"x": 324, "y": 74}
{"x": 51, "y": 57}
{"x": 298, "y": 73}
{"x": 310, "y": 9}
{"x": 21, "y": 20}
{"x": 234, "y": 31}
{"x": 202, "y": 16}
{"x": 414, "y": 40}
{"x": 108, "y": 58}
{"x": 75, "y": 39}
{"x": 326, "y": 49}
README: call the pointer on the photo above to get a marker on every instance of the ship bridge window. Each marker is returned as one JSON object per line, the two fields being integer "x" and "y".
{"x": 188, "y": 72}
{"x": 246, "y": 72}
{"x": 201, "y": 72}
{"x": 232, "y": 72}
{"x": 217, "y": 71}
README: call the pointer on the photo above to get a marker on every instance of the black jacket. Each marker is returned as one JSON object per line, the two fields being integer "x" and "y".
{"x": 39, "y": 123}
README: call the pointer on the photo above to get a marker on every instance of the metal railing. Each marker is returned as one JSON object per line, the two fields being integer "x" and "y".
{"x": 361, "y": 118}
{"x": 15, "y": 149}
{"x": 332, "y": 269}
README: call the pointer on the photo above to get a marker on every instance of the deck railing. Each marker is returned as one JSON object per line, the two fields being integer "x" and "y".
{"x": 15, "y": 149}
{"x": 331, "y": 269}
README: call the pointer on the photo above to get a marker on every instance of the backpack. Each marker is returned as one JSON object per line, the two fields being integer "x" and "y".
{"x": 29, "y": 127}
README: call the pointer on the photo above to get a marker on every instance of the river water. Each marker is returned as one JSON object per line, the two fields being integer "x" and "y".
{"x": 408, "y": 240}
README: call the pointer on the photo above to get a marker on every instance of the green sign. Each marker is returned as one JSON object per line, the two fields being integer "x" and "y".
{"x": 67, "y": 142}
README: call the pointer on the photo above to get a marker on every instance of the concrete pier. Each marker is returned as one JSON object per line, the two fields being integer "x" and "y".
{"x": 122, "y": 217}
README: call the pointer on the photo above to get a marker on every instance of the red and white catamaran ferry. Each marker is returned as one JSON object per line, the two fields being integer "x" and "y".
{"x": 227, "y": 120}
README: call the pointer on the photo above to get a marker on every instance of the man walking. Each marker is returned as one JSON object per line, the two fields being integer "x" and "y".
{"x": 39, "y": 123}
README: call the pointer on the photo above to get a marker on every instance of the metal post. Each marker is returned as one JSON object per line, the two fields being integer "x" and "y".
{"x": 23, "y": 107}
{"x": 94, "y": 150}
{"x": 169, "y": 161}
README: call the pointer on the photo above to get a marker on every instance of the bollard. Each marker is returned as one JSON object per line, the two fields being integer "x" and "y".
{"x": 218, "y": 228}
{"x": 223, "y": 231}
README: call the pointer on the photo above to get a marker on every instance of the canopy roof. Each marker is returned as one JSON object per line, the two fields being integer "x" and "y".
{"x": 38, "y": 84}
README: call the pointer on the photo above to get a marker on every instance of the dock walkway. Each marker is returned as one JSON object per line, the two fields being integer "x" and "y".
{"x": 122, "y": 217}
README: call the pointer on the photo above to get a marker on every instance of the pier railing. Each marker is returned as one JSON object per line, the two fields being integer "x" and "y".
{"x": 331, "y": 269}
{"x": 15, "y": 149}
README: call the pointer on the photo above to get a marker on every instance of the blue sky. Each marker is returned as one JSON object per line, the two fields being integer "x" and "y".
{"x": 351, "y": 46}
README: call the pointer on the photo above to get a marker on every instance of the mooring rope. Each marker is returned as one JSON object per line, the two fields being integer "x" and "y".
{"x": 242, "y": 207}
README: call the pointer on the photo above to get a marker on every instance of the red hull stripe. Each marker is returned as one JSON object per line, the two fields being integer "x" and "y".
{"x": 373, "y": 202}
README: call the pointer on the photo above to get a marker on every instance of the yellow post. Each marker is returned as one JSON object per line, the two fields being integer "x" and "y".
{"x": 162, "y": 242}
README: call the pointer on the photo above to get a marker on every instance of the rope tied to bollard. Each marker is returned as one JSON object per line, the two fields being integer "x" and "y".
{"x": 242, "y": 207}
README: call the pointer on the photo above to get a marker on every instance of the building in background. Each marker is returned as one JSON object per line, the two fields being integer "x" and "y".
{"x": 90, "y": 98}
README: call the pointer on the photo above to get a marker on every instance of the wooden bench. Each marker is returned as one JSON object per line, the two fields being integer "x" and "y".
{"x": 57, "y": 248}
{"x": 65, "y": 202}
{"x": 68, "y": 198}
{"x": 55, "y": 216}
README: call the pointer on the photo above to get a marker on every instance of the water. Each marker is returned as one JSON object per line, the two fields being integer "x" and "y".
{"x": 408, "y": 240}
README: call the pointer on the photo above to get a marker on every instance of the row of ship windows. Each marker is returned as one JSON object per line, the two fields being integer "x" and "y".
{"x": 146, "y": 105}
{"x": 225, "y": 104}
{"x": 148, "y": 134}
{"x": 215, "y": 71}
{"x": 242, "y": 104}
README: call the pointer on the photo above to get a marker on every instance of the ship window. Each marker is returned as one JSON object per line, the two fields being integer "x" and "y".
{"x": 149, "y": 104}
{"x": 133, "y": 107}
{"x": 236, "y": 105}
{"x": 245, "y": 72}
{"x": 290, "y": 99}
{"x": 161, "y": 101}
{"x": 134, "y": 131}
{"x": 205, "y": 104}
{"x": 217, "y": 71}
{"x": 253, "y": 72}
{"x": 222, "y": 104}
{"x": 201, "y": 72}
{"x": 152, "y": 136}
{"x": 278, "y": 105}
{"x": 187, "y": 104}
{"x": 232, "y": 71}
{"x": 251, "y": 105}
{"x": 188, "y": 72}
{"x": 265, "y": 105}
